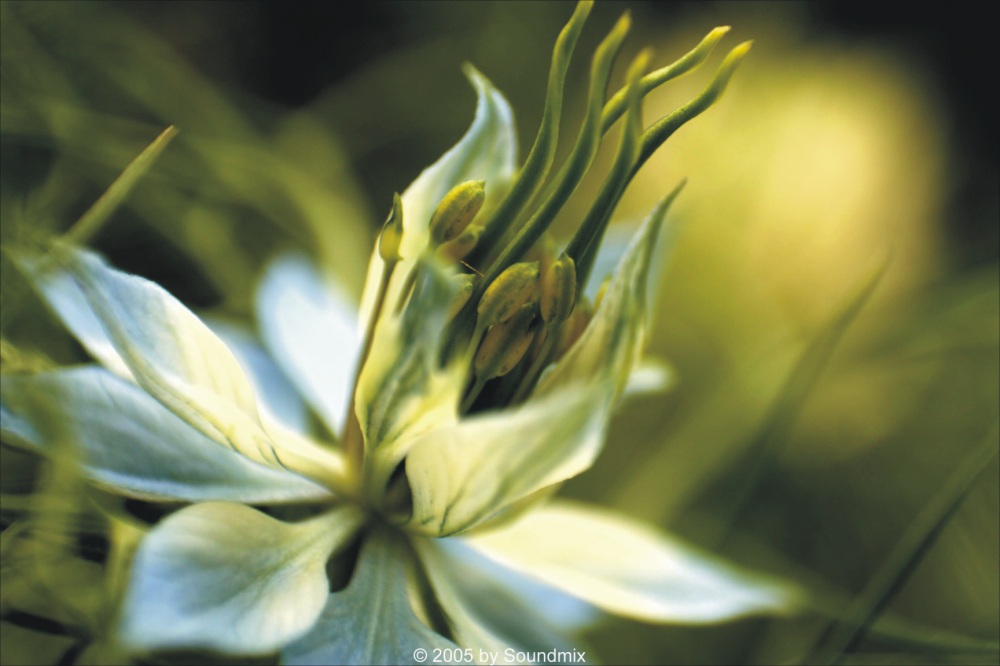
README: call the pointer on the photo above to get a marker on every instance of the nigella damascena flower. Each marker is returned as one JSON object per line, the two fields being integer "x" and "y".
{"x": 477, "y": 378}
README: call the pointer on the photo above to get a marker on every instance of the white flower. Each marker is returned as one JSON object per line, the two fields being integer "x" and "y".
{"x": 448, "y": 491}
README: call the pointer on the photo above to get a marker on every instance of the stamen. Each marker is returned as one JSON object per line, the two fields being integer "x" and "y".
{"x": 561, "y": 328}
{"x": 507, "y": 294}
{"x": 458, "y": 248}
{"x": 579, "y": 160}
{"x": 502, "y": 349}
{"x": 556, "y": 305}
{"x": 559, "y": 290}
{"x": 559, "y": 192}
{"x": 466, "y": 284}
{"x": 456, "y": 210}
{"x": 388, "y": 248}
{"x": 574, "y": 327}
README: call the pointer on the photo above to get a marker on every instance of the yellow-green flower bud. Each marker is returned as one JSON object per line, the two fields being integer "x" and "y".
{"x": 460, "y": 246}
{"x": 505, "y": 344}
{"x": 466, "y": 284}
{"x": 456, "y": 210}
{"x": 392, "y": 232}
{"x": 559, "y": 290}
{"x": 512, "y": 289}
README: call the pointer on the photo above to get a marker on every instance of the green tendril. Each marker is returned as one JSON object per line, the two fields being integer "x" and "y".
{"x": 539, "y": 161}
{"x": 661, "y": 130}
{"x": 585, "y": 241}
{"x": 579, "y": 161}
{"x": 691, "y": 60}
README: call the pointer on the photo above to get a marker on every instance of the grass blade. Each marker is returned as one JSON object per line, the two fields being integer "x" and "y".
{"x": 95, "y": 217}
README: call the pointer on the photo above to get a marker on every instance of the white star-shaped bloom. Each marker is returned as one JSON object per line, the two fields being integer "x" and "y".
{"x": 439, "y": 467}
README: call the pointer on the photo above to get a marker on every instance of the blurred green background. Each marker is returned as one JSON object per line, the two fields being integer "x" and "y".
{"x": 853, "y": 137}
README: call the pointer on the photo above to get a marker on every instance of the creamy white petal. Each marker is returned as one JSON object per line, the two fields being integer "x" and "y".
{"x": 483, "y": 613}
{"x": 464, "y": 473}
{"x": 613, "y": 341}
{"x": 311, "y": 328}
{"x": 486, "y": 579}
{"x": 402, "y": 392}
{"x": 225, "y": 577}
{"x": 133, "y": 445}
{"x": 649, "y": 376}
{"x": 181, "y": 363}
{"x": 629, "y": 568}
{"x": 66, "y": 299}
{"x": 610, "y": 253}
{"x": 277, "y": 398}
{"x": 370, "y": 622}
{"x": 486, "y": 152}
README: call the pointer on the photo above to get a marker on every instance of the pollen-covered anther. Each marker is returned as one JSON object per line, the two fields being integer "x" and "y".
{"x": 558, "y": 290}
{"x": 505, "y": 344}
{"x": 465, "y": 285}
{"x": 575, "y": 325}
{"x": 459, "y": 247}
{"x": 457, "y": 210}
{"x": 392, "y": 232}
{"x": 504, "y": 297}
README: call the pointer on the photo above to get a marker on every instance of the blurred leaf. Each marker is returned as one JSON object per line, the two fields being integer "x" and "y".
{"x": 113, "y": 197}
{"x": 906, "y": 555}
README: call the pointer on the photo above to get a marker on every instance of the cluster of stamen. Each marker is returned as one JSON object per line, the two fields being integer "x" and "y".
{"x": 519, "y": 302}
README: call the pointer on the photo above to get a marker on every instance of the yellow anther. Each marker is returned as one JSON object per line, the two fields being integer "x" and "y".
{"x": 392, "y": 232}
{"x": 466, "y": 284}
{"x": 512, "y": 289}
{"x": 559, "y": 290}
{"x": 456, "y": 210}
{"x": 575, "y": 325}
{"x": 505, "y": 344}
{"x": 460, "y": 246}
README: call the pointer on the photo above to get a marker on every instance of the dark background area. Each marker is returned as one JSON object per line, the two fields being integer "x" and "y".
{"x": 289, "y": 53}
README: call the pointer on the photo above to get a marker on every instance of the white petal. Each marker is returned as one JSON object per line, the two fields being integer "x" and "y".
{"x": 66, "y": 299}
{"x": 486, "y": 152}
{"x": 649, "y": 376}
{"x": 225, "y": 577}
{"x": 629, "y": 568}
{"x": 310, "y": 326}
{"x": 562, "y": 612}
{"x": 181, "y": 363}
{"x": 402, "y": 392}
{"x": 277, "y": 398}
{"x": 483, "y": 613}
{"x": 612, "y": 249}
{"x": 135, "y": 446}
{"x": 612, "y": 342}
{"x": 370, "y": 622}
{"x": 464, "y": 473}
